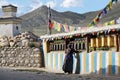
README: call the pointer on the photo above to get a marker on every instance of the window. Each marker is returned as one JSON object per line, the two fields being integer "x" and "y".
{"x": 83, "y": 46}
{"x": 79, "y": 45}
{"x": 16, "y": 27}
{"x": 57, "y": 45}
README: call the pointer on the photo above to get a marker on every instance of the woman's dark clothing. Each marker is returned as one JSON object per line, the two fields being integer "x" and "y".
{"x": 68, "y": 61}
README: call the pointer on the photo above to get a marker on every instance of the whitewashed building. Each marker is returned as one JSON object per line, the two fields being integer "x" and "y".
{"x": 10, "y": 24}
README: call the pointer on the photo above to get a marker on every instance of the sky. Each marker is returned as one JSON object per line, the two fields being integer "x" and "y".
{"x": 78, "y": 6}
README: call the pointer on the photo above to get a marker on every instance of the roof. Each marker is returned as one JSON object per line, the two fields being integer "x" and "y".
{"x": 10, "y": 18}
{"x": 9, "y": 6}
{"x": 88, "y": 30}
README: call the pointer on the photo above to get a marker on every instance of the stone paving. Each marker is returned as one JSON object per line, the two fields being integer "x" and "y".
{"x": 11, "y": 74}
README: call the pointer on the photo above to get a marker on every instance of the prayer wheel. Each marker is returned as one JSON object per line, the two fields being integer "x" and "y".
{"x": 98, "y": 42}
{"x": 110, "y": 41}
{"x": 48, "y": 47}
{"x": 93, "y": 42}
{"x": 104, "y": 41}
{"x": 115, "y": 40}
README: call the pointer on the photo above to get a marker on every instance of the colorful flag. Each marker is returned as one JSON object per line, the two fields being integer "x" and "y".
{"x": 112, "y": 22}
{"x": 72, "y": 28}
{"x": 51, "y": 24}
{"x": 105, "y": 11}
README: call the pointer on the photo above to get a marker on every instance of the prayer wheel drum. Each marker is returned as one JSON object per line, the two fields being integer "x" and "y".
{"x": 93, "y": 42}
{"x": 48, "y": 46}
{"x": 98, "y": 42}
{"x": 110, "y": 41}
{"x": 104, "y": 41}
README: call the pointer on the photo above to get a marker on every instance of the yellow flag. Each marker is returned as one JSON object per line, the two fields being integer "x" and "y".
{"x": 110, "y": 4}
{"x": 112, "y": 22}
{"x": 58, "y": 26}
{"x": 90, "y": 25}
{"x": 106, "y": 24}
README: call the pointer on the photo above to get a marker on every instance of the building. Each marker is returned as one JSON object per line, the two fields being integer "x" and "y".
{"x": 10, "y": 24}
{"x": 99, "y": 50}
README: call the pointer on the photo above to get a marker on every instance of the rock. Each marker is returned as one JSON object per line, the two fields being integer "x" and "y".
{"x": 37, "y": 55}
{"x": 2, "y": 52}
{"x": 11, "y": 65}
{"x": 9, "y": 55}
{"x": 12, "y": 44}
{"x": 26, "y": 61}
{"x": 25, "y": 42}
{"x": 32, "y": 61}
{"x": 19, "y": 56}
{"x": 29, "y": 65}
{"x": 4, "y": 41}
{"x": 38, "y": 65}
{"x": 36, "y": 50}
{"x": 12, "y": 52}
{"x": 36, "y": 61}
{"x": 3, "y": 61}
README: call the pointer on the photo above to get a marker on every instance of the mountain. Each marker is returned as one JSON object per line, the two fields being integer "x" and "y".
{"x": 37, "y": 20}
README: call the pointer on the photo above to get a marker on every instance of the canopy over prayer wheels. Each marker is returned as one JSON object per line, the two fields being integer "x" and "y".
{"x": 93, "y": 42}
{"x": 104, "y": 41}
{"x": 110, "y": 41}
{"x": 98, "y": 42}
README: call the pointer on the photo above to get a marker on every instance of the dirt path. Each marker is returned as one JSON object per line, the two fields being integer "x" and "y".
{"x": 10, "y": 74}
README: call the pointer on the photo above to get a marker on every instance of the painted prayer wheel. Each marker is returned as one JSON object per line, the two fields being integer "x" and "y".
{"x": 110, "y": 41}
{"x": 104, "y": 41}
{"x": 98, "y": 42}
{"x": 93, "y": 42}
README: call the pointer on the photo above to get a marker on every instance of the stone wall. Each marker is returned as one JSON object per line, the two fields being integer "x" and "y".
{"x": 20, "y": 57}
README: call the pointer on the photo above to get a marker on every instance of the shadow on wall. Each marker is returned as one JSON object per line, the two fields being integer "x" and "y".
{"x": 110, "y": 70}
{"x": 104, "y": 70}
{"x": 42, "y": 56}
{"x": 77, "y": 71}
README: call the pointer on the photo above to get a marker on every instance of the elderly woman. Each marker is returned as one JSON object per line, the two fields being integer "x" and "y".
{"x": 68, "y": 61}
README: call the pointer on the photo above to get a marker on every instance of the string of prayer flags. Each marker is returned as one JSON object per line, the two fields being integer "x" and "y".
{"x": 62, "y": 27}
{"x": 105, "y": 10}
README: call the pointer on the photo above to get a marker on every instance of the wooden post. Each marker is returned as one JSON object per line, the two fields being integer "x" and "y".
{"x": 117, "y": 43}
{"x": 87, "y": 43}
{"x": 49, "y": 20}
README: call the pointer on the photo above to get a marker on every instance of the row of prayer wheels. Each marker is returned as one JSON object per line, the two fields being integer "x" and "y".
{"x": 103, "y": 41}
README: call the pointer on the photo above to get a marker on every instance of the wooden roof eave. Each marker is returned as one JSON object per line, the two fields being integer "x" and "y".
{"x": 87, "y": 30}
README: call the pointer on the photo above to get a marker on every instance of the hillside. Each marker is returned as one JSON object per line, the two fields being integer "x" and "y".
{"x": 37, "y": 20}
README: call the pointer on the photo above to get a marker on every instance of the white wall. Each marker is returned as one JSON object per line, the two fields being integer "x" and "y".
{"x": 9, "y": 14}
{"x": 10, "y": 29}
{"x": 6, "y": 29}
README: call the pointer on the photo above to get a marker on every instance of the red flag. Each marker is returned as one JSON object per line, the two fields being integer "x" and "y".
{"x": 51, "y": 24}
